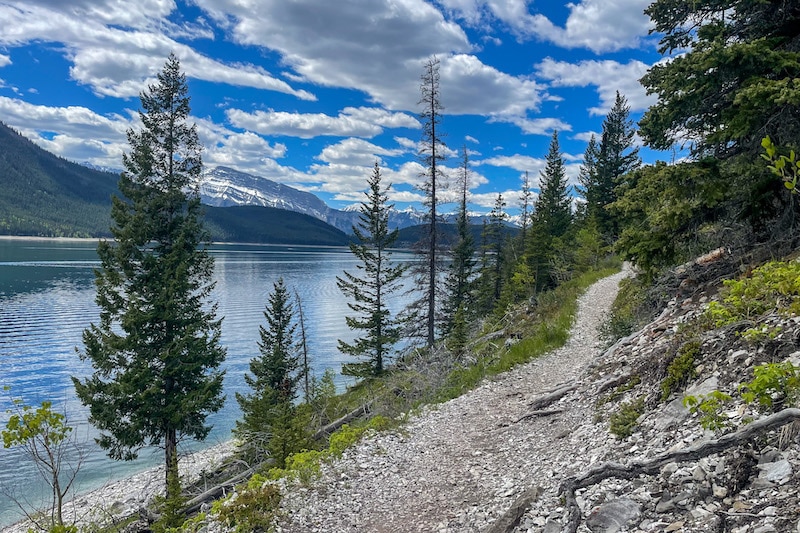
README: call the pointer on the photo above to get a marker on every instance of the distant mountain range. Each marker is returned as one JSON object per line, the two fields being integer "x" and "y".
{"x": 225, "y": 187}
{"x": 44, "y": 195}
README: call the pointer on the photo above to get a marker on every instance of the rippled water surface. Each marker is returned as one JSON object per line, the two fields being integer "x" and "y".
{"x": 47, "y": 300}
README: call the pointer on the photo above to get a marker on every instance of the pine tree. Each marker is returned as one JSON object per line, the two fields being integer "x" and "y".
{"x": 156, "y": 350}
{"x": 587, "y": 176}
{"x": 459, "y": 277}
{"x": 371, "y": 290}
{"x": 526, "y": 203}
{"x": 267, "y": 411}
{"x": 425, "y": 311}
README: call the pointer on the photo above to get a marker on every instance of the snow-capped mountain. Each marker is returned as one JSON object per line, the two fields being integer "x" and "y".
{"x": 224, "y": 187}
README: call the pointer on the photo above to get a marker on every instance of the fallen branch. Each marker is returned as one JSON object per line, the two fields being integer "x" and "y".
{"x": 541, "y": 412}
{"x": 509, "y": 520}
{"x": 336, "y": 424}
{"x": 554, "y": 396}
{"x": 193, "y": 505}
{"x": 652, "y": 466}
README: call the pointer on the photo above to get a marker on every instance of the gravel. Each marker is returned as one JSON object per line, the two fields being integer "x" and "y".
{"x": 459, "y": 466}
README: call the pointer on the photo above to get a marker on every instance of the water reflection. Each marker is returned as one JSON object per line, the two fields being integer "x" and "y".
{"x": 47, "y": 300}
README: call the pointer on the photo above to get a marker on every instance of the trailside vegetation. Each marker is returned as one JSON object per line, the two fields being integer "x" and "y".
{"x": 156, "y": 352}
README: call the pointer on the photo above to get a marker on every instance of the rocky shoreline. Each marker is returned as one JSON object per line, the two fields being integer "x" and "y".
{"x": 121, "y": 498}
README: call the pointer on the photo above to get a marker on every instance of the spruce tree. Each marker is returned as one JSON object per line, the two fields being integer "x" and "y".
{"x": 552, "y": 217}
{"x": 267, "y": 411}
{"x": 462, "y": 266}
{"x": 372, "y": 289}
{"x": 616, "y": 156}
{"x": 490, "y": 283}
{"x": 155, "y": 351}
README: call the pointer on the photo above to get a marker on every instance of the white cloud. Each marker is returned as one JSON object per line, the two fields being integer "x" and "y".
{"x": 539, "y": 126}
{"x": 586, "y": 136}
{"x": 518, "y": 162}
{"x": 359, "y": 122}
{"x": 608, "y": 76}
{"x": 4, "y": 60}
{"x": 121, "y": 58}
{"x": 599, "y": 25}
{"x": 384, "y": 57}
{"x": 471, "y": 139}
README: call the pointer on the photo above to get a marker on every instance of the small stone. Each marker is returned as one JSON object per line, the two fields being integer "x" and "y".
{"x": 675, "y": 526}
{"x": 719, "y": 492}
{"x": 769, "y": 511}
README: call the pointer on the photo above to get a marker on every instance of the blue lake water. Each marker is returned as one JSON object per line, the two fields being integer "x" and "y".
{"x": 47, "y": 300}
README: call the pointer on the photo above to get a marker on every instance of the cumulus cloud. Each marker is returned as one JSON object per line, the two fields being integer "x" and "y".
{"x": 359, "y": 122}
{"x": 598, "y": 25}
{"x": 384, "y": 58}
{"x": 538, "y": 126}
{"x": 607, "y": 76}
{"x": 4, "y": 60}
{"x": 117, "y": 54}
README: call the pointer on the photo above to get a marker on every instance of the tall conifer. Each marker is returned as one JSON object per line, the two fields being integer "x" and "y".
{"x": 156, "y": 350}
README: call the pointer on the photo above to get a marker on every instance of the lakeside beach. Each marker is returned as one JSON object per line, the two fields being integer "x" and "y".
{"x": 121, "y": 498}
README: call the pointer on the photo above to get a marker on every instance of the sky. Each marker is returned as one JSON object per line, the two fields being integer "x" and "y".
{"x": 311, "y": 93}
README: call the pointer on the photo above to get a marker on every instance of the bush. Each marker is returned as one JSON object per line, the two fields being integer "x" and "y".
{"x": 681, "y": 370}
{"x": 774, "y": 286}
{"x": 623, "y": 422}
{"x": 251, "y": 508}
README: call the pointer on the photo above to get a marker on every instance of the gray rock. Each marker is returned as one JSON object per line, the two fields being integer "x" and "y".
{"x": 778, "y": 472}
{"x": 613, "y": 516}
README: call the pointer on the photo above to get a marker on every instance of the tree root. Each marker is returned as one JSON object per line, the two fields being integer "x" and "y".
{"x": 652, "y": 466}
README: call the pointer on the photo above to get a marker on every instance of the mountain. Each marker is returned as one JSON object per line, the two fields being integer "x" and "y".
{"x": 225, "y": 187}
{"x": 269, "y": 225}
{"x": 43, "y": 194}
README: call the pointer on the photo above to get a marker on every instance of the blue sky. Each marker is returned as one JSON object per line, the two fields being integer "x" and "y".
{"x": 311, "y": 93}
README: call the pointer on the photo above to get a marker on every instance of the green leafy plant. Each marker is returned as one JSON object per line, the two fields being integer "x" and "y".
{"x": 773, "y": 386}
{"x": 772, "y": 286}
{"x": 253, "y": 507}
{"x": 623, "y": 422}
{"x": 46, "y": 439}
{"x": 785, "y": 167}
{"x": 709, "y": 407}
{"x": 681, "y": 369}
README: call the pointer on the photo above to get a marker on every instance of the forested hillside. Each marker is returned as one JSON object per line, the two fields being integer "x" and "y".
{"x": 42, "y": 194}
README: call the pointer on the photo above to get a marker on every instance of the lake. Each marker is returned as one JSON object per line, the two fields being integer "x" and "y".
{"x": 47, "y": 300}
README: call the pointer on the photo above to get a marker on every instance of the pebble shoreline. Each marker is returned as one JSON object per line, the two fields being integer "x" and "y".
{"x": 121, "y": 498}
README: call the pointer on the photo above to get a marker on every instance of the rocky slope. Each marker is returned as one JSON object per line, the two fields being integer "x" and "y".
{"x": 494, "y": 459}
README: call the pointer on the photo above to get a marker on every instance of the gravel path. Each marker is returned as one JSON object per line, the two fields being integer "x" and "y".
{"x": 460, "y": 465}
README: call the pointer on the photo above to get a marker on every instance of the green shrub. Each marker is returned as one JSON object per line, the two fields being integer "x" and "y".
{"x": 772, "y": 286}
{"x": 709, "y": 408}
{"x": 617, "y": 393}
{"x": 623, "y": 422}
{"x": 681, "y": 370}
{"x": 774, "y": 386}
{"x": 252, "y": 507}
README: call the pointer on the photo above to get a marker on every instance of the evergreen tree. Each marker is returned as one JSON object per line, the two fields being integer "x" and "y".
{"x": 734, "y": 81}
{"x": 462, "y": 267}
{"x": 425, "y": 312}
{"x": 587, "y": 175}
{"x": 552, "y": 209}
{"x": 267, "y": 411}
{"x": 156, "y": 350}
{"x": 526, "y": 203}
{"x": 616, "y": 156}
{"x": 552, "y": 217}
{"x": 372, "y": 289}
{"x": 490, "y": 283}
